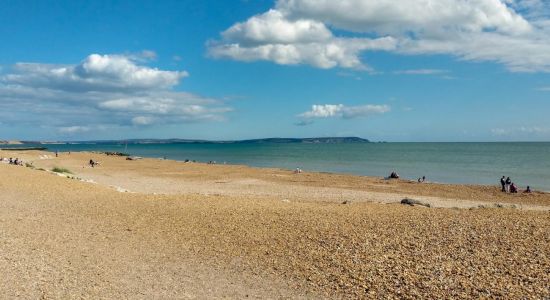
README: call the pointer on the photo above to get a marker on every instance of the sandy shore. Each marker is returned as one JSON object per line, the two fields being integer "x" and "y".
{"x": 165, "y": 229}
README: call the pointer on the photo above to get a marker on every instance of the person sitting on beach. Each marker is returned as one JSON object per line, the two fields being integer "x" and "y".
{"x": 297, "y": 170}
{"x": 11, "y": 161}
{"x": 92, "y": 163}
{"x": 394, "y": 175}
{"x": 513, "y": 188}
{"x": 527, "y": 190}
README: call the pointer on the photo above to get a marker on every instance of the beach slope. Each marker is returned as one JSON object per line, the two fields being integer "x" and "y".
{"x": 163, "y": 229}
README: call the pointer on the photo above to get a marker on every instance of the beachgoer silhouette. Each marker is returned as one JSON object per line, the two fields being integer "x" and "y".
{"x": 503, "y": 183}
{"x": 513, "y": 188}
{"x": 507, "y": 184}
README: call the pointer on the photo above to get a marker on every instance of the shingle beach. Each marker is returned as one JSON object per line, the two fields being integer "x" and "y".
{"x": 154, "y": 228}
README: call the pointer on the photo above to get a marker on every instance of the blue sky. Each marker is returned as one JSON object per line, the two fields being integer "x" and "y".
{"x": 419, "y": 70}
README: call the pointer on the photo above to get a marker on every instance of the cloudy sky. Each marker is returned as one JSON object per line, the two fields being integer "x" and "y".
{"x": 415, "y": 70}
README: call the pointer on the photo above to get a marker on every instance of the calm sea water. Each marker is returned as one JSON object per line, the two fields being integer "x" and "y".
{"x": 475, "y": 163}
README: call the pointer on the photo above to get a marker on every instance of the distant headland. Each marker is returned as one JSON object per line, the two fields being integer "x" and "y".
{"x": 314, "y": 140}
{"x": 10, "y": 142}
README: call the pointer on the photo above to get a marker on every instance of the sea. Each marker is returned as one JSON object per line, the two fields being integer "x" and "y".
{"x": 527, "y": 163}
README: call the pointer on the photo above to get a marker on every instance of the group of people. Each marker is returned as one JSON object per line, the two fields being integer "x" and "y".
{"x": 394, "y": 175}
{"x": 12, "y": 161}
{"x": 509, "y": 187}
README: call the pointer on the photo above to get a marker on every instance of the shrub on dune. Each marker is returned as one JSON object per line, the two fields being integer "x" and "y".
{"x": 61, "y": 170}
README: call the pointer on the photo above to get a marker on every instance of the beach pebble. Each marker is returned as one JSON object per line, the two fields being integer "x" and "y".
{"x": 119, "y": 189}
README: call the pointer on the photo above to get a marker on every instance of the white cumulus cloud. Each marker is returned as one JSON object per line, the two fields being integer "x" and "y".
{"x": 398, "y": 17}
{"x": 273, "y": 27}
{"x": 95, "y": 73}
{"x": 328, "y": 33}
{"x": 342, "y": 111}
{"x": 73, "y": 129}
{"x": 142, "y": 120}
{"x": 101, "y": 90}
{"x": 272, "y": 36}
{"x": 522, "y": 132}
{"x": 421, "y": 72}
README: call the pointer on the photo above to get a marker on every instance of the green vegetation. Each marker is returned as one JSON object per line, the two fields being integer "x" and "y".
{"x": 61, "y": 170}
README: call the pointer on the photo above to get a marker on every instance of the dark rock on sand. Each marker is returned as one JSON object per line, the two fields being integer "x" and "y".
{"x": 413, "y": 202}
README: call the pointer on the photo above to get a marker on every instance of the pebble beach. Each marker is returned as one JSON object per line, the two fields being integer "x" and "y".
{"x": 153, "y": 228}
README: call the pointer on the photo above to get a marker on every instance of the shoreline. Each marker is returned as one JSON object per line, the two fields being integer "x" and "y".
{"x": 446, "y": 171}
{"x": 179, "y": 177}
{"x": 123, "y": 154}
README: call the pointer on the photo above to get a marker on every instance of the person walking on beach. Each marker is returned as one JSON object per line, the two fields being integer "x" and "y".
{"x": 508, "y": 182}
{"x": 503, "y": 183}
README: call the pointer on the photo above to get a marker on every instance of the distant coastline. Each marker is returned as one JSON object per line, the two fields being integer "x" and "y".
{"x": 314, "y": 140}
{"x": 11, "y": 142}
